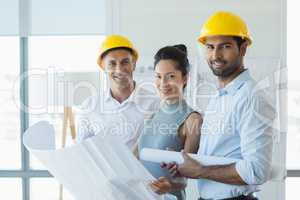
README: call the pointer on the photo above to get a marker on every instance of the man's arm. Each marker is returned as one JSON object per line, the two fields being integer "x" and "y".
{"x": 220, "y": 173}
{"x": 256, "y": 148}
{"x": 256, "y": 133}
{"x": 224, "y": 174}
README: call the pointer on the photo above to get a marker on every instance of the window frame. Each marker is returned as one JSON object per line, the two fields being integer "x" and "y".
{"x": 25, "y": 173}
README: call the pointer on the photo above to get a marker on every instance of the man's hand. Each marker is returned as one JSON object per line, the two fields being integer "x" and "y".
{"x": 190, "y": 168}
{"x": 162, "y": 185}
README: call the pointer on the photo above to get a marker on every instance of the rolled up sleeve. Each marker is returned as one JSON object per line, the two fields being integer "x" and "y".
{"x": 256, "y": 134}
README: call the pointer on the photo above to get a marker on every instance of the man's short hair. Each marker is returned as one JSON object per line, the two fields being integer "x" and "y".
{"x": 239, "y": 40}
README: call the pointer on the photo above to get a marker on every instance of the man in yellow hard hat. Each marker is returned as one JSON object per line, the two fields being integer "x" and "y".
{"x": 238, "y": 121}
{"x": 121, "y": 110}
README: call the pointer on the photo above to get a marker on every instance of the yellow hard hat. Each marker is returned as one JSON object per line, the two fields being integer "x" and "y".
{"x": 224, "y": 23}
{"x": 115, "y": 41}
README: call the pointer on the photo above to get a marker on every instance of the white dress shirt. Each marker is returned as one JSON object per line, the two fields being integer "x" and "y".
{"x": 102, "y": 114}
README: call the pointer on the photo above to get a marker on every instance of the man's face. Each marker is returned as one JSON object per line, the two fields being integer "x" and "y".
{"x": 223, "y": 55}
{"x": 119, "y": 64}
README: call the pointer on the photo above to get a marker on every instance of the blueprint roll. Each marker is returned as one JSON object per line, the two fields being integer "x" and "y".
{"x": 158, "y": 156}
{"x": 97, "y": 168}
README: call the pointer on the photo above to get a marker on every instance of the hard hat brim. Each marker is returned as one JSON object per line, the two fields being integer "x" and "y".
{"x": 202, "y": 39}
{"x": 100, "y": 56}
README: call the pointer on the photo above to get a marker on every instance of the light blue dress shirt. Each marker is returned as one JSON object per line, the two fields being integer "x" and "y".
{"x": 238, "y": 124}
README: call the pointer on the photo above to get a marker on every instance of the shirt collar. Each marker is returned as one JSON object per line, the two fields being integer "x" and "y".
{"x": 235, "y": 84}
{"x": 131, "y": 98}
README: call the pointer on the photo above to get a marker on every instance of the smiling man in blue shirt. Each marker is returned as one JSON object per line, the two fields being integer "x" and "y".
{"x": 237, "y": 122}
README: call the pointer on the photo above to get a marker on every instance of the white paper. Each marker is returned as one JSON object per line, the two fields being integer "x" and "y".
{"x": 158, "y": 156}
{"x": 99, "y": 168}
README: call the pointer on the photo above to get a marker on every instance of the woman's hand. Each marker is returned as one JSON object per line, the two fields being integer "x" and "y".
{"x": 162, "y": 185}
{"x": 172, "y": 168}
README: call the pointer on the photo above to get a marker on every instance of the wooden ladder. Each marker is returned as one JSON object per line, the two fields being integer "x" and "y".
{"x": 68, "y": 120}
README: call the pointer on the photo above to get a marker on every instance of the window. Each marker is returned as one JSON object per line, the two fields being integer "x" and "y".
{"x": 293, "y": 150}
{"x": 292, "y": 187}
{"x": 11, "y": 188}
{"x": 36, "y": 37}
{"x": 46, "y": 189}
{"x": 56, "y": 54}
{"x": 9, "y": 114}
{"x": 293, "y": 136}
{"x": 68, "y": 53}
{"x": 45, "y": 54}
{"x": 48, "y": 55}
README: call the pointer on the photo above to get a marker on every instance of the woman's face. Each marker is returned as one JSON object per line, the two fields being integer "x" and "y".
{"x": 169, "y": 81}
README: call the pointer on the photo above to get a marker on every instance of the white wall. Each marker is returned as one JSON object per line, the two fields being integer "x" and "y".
{"x": 153, "y": 24}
